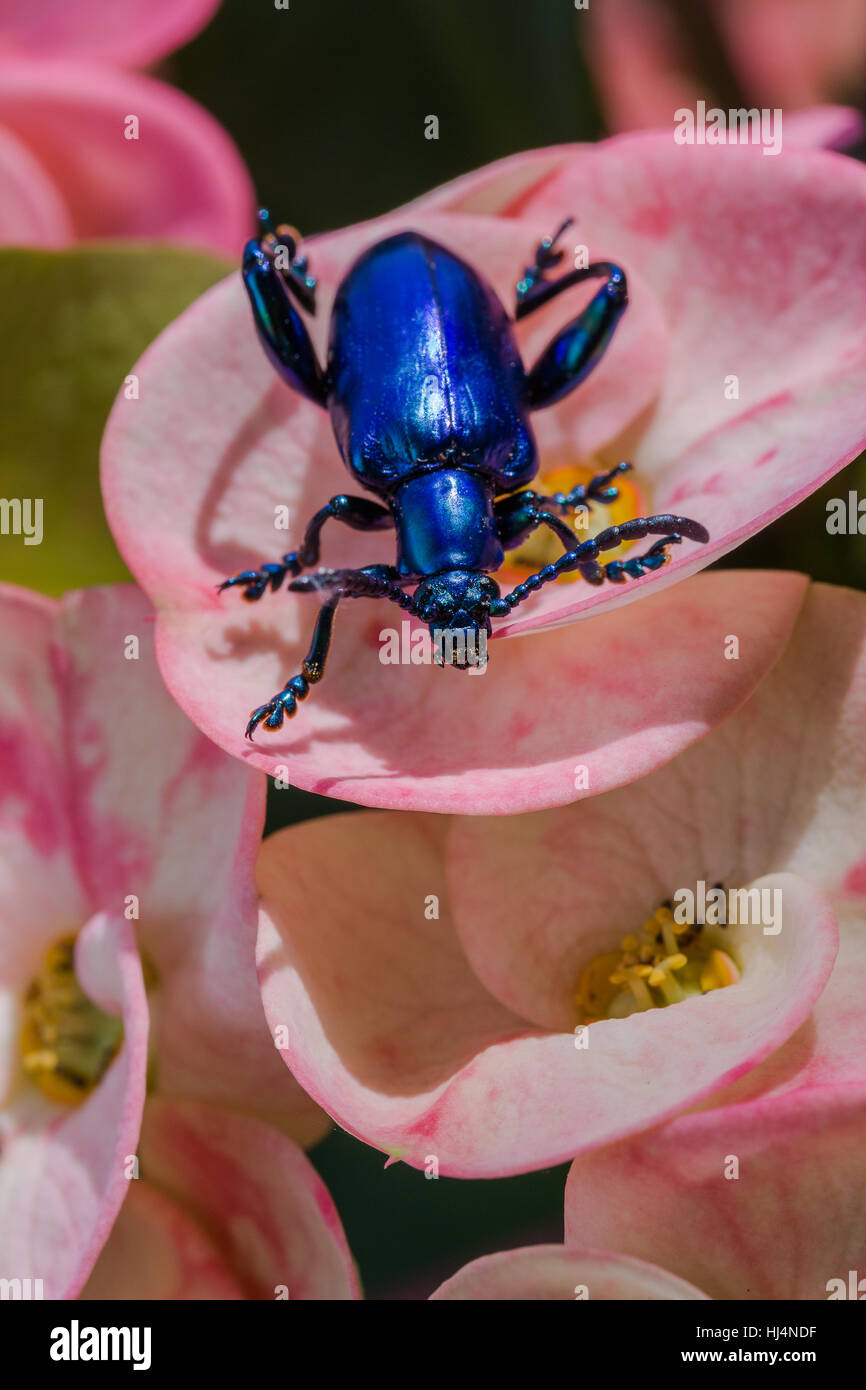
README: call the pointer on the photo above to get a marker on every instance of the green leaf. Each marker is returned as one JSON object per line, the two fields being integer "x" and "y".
{"x": 72, "y": 325}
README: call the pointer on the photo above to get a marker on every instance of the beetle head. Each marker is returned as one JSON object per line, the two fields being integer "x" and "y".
{"x": 456, "y": 605}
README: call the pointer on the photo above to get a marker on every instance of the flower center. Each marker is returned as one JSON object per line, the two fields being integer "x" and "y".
{"x": 543, "y": 547}
{"x": 664, "y": 963}
{"x": 67, "y": 1042}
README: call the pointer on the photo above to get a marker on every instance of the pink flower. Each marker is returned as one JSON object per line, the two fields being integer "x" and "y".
{"x": 87, "y": 150}
{"x": 127, "y": 844}
{"x": 785, "y": 55}
{"x": 747, "y": 277}
{"x": 476, "y": 990}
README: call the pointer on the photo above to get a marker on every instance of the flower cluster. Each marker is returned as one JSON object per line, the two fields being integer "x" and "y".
{"x": 606, "y": 905}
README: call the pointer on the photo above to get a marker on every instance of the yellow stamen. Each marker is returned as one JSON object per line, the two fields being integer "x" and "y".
{"x": 67, "y": 1041}
{"x": 719, "y": 971}
{"x": 665, "y": 963}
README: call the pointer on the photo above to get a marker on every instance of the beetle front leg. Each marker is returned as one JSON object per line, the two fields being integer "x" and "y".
{"x": 357, "y": 512}
{"x": 584, "y": 557}
{"x": 372, "y": 581}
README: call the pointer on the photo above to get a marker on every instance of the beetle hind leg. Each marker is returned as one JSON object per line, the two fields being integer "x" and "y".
{"x": 274, "y": 276}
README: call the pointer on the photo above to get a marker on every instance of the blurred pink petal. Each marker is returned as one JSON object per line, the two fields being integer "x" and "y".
{"x": 386, "y": 1025}
{"x": 181, "y": 180}
{"x": 227, "y": 1208}
{"x": 786, "y": 53}
{"x": 830, "y": 127}
{"x": 796, "y": 52}
{"x": 555, "y": 1273}
{"x": 127, "y": 32}
{"x": 32, "y": 211}
{"x": 62, "y": 1172}
{"x": 780, "y": 1225}
{"x": 157, "y": 1250}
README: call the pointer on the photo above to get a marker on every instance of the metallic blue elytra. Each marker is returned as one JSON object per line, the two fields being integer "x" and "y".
{"x": 430, "y": 402}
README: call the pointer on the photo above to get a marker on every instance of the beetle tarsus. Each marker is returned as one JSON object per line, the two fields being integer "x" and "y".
{"x": 584, "y": 558}
{"x": 268, "y": 576}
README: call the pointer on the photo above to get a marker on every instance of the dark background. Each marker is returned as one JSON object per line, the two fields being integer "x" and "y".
{"x": 327, "y": 102}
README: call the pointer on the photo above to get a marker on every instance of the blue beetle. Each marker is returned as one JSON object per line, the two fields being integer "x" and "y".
{"x": 430, "y": 402}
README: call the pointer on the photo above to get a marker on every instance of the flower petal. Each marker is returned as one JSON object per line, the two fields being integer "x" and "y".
{"x": 552, "y": 1273}
{"x": 32, "y": 212}
{"x": 240, "y": 1213}
{"x": 156, "y": 1250}
{"x": 780, "y": 1224}
{"x": 784, "y": 55}
{"x": 181, "y": 178}
{"x": 127, "y": 32}
{"x": 796, "y": 54}
{"x": 826, "y": 1051}
{"x": 370, "y": 996}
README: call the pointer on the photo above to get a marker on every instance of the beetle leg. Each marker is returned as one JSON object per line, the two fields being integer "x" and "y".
{"x": 546, "y": 256}
{"x": 282, "y": 243}
{"x": 279, "y": 325}
{"x": 285, "y": 702}
{"x": 358, "y": 512}
{"x": 372, "y": 581}
{"x": 584, "y": 557}
{"x": 598, "y": 489}
{"x": 519, "y": 514}
{"x": 578, "y": 347}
